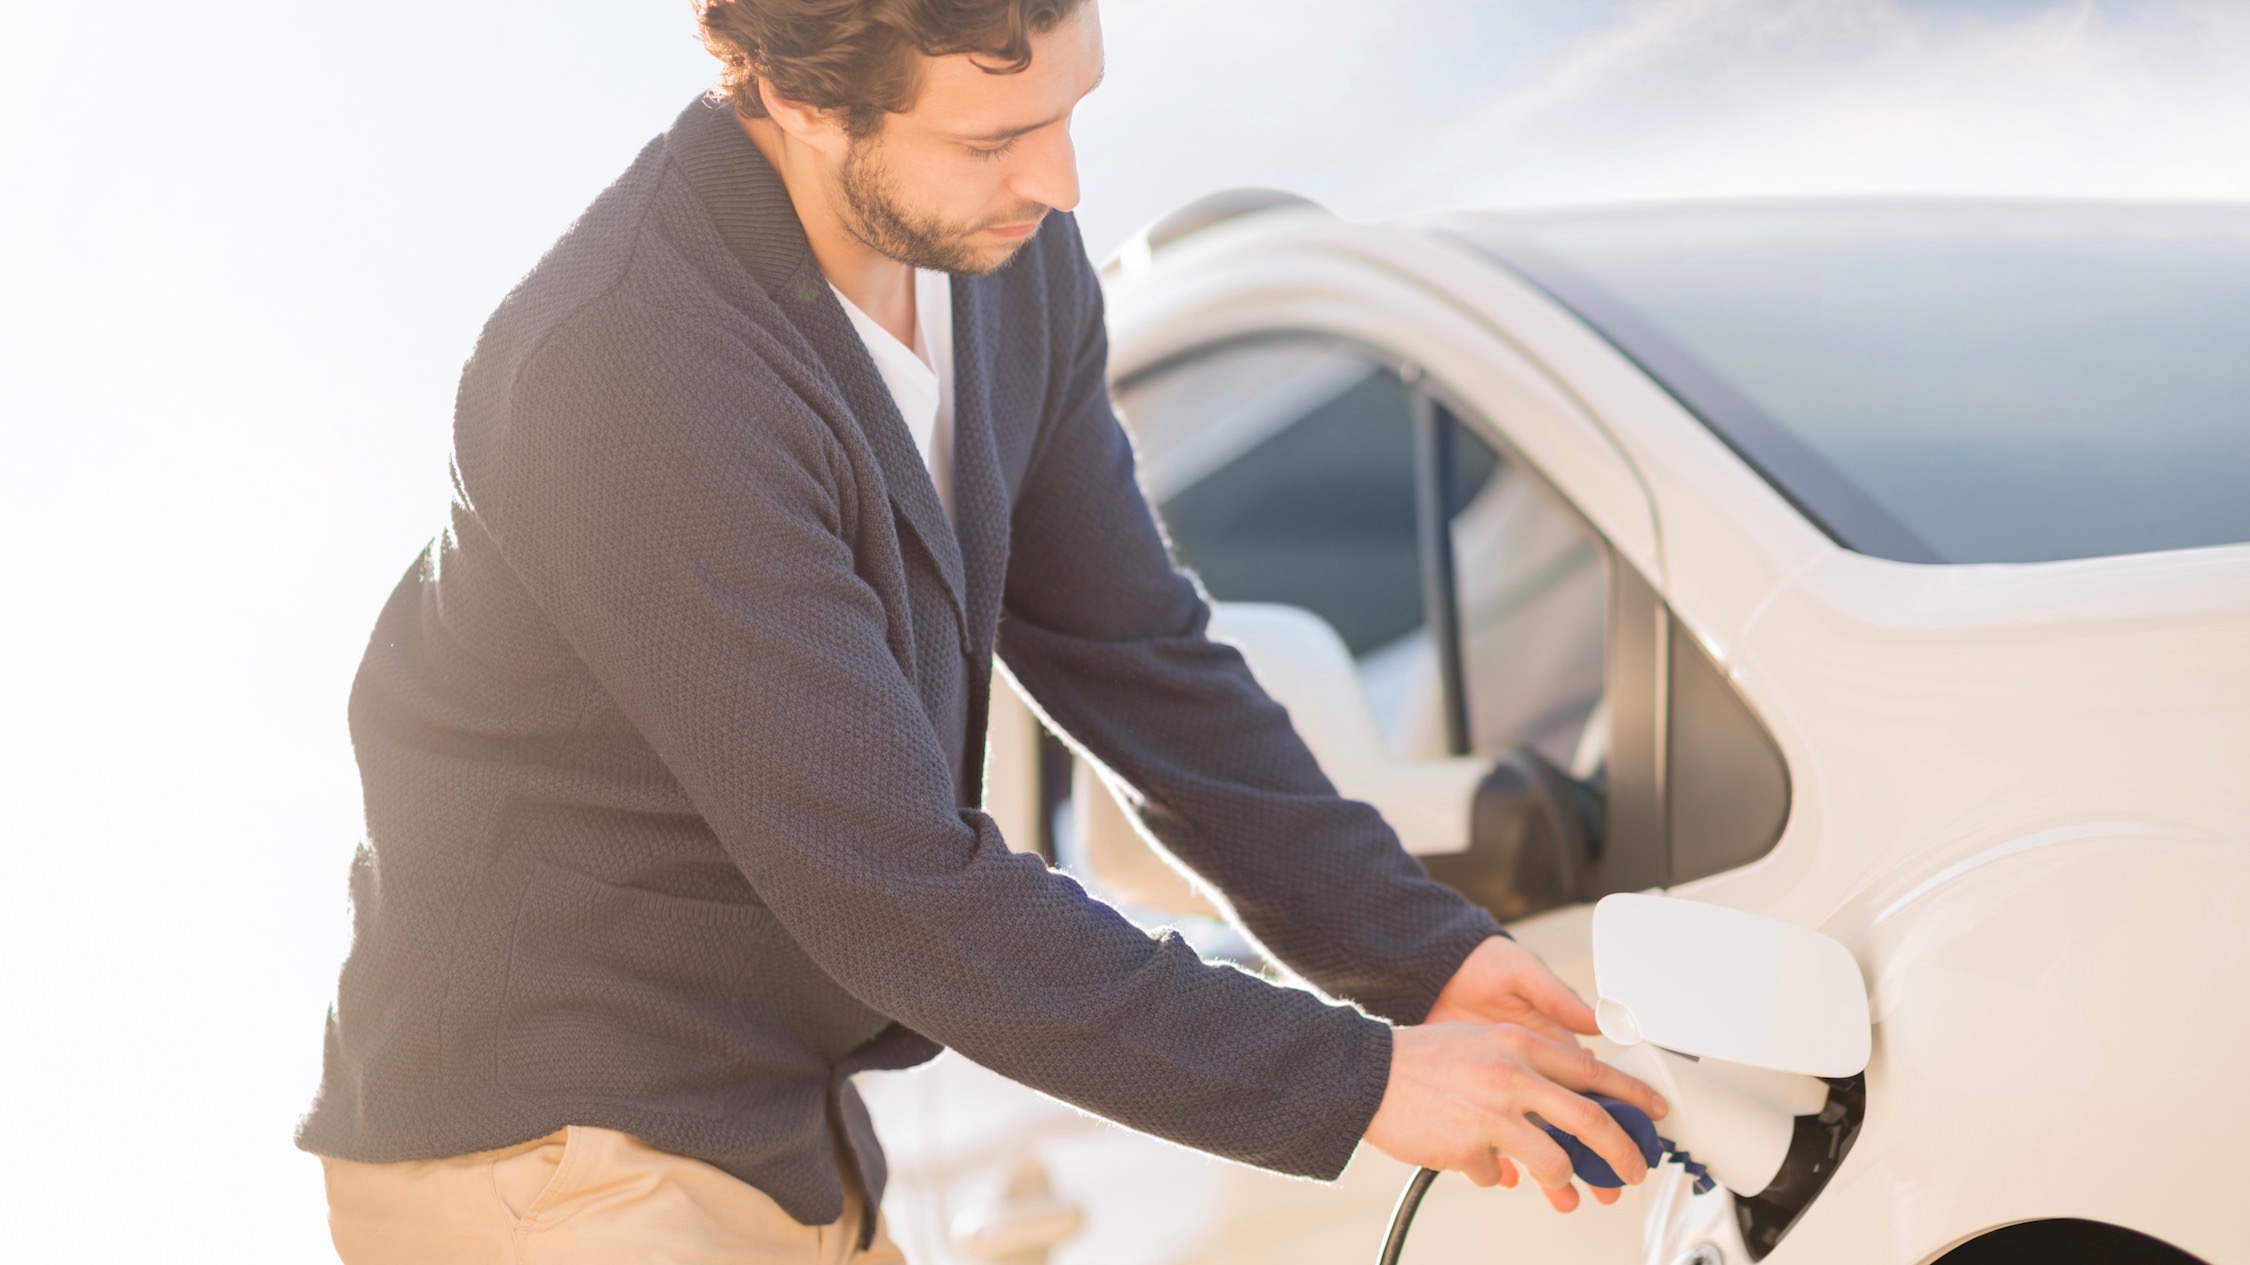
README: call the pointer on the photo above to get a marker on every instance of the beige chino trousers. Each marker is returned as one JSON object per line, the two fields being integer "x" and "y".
{"x": 579, "y": 1196}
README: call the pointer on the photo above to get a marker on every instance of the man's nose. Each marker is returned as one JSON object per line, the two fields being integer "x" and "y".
{"x": 1049, "y": 174}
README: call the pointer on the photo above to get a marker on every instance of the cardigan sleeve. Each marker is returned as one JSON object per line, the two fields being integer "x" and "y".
{"x": 1109, "y": 639}
{"x": 682, "y": 518}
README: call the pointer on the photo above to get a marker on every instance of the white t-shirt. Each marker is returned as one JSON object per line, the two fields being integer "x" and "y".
{"x": 921, "y": 379}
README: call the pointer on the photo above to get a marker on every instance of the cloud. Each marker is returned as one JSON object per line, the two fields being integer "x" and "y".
{"x": 1594, "y": 64}
{"x": 1777, "y": 97}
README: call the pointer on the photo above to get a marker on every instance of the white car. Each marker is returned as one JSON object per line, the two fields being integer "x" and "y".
{"x": 1880, "y": 568}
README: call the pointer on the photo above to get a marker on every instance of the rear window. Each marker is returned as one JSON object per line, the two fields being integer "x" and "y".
{"x": 1941, "y": 383}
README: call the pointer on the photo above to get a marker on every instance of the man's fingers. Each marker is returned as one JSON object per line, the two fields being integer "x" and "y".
{"x": 1585, "y": 1120}
{"x": 1530, "y": 1146}
{"x": 1574, "y": 1067}
{"x": 1490, "y": 1170}
{"x": 1559, "y": 1001}
{"x": 1507, "y": 1171}
{"x": 1546, "y": 1027}
{"x": 1605, "y": 1194}
{"x": 1562, "y": 1198}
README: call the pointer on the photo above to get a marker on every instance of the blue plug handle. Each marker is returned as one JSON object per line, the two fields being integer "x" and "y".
{"x": 1592, "y": 1169}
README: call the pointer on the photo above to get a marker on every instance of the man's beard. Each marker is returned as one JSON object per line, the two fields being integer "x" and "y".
{"x": 888, "y": 227}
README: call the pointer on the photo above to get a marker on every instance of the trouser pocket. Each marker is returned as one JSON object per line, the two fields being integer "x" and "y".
{"x": 461, "y": 1210}
{"x": 523, "y": 1178}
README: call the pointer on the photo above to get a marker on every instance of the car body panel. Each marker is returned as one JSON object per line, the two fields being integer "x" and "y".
{"x": 2058, "y": 1027}
{"x": 2018, "y": 795}
{"x": 1298, "y": 271}
{"x": 1927, "y": 712}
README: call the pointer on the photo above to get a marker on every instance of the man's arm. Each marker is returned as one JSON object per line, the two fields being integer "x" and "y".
{"x": 684, "y": 521}
{"x": 1110, "y": 641}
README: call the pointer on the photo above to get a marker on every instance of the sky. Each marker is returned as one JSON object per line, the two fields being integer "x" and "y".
{"x": 245, "y": 248}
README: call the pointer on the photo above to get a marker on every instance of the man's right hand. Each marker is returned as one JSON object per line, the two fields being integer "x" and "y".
{"x": 1459, "y": 1094}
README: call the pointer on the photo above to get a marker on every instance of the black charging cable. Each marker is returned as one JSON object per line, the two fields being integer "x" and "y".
{"x": 1409, "y": 1202}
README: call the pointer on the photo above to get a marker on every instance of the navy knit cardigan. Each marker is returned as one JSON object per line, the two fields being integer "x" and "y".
{"x": 672, "y": 741}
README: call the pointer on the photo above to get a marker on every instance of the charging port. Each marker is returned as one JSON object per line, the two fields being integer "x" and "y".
{"x": 1816, "y": 1150}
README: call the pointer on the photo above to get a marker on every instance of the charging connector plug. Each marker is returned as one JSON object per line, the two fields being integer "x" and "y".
{"x": 1593, "y": 1170}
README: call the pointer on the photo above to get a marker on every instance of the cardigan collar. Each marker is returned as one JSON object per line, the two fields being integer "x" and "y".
{"x": 741, "y": 191}
{"x": 749, "y": 205}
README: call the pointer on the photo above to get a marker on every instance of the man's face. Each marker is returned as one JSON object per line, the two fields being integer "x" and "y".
{"x": 961, "y": 181}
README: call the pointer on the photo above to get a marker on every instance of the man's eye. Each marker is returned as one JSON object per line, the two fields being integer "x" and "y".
{"x": 996, "y": 151}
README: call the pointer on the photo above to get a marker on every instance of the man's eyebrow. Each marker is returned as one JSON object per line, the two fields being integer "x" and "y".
{"x": 1009, "y": 134}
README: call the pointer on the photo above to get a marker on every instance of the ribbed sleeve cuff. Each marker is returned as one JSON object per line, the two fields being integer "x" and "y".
{"x": 1334, "y": 1152}
{"x": 1441, "y": 960}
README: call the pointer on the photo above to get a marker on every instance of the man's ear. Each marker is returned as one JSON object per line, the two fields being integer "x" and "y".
{"x": 819, "y": 129}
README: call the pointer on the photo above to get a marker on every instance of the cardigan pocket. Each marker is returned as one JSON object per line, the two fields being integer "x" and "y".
{"x": 666, "y": 1003}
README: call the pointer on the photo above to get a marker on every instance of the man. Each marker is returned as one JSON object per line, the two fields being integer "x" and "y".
{"x": 672, "y": 741}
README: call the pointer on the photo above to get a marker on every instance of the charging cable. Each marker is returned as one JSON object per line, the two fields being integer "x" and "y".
{"x": 1402, "y": 1218}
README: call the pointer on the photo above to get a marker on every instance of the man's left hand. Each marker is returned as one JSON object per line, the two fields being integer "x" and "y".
{"x": 1503, "y": 982}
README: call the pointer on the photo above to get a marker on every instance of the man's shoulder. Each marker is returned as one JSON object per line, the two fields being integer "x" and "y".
{"x": 636, "y": 312}
{"x": 637, "y": 245}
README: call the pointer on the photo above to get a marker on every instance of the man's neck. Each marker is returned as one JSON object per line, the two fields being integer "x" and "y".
{"x": 877, "y": 284}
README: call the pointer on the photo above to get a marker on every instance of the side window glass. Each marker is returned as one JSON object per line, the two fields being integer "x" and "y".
{"x": 1285, "y": 471}
{"x": 1532, "y": 586}
{"x": 1727, "y": 796}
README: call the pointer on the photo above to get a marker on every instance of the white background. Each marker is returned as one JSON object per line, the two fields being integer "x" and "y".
{"x": 245, "y": 248}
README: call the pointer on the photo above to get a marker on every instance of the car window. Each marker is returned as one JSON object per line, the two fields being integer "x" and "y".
{"x": 1284, "y": 471}
{"x": 1951, "y": 383}
{"x": 1728, "y": 792}
{"x": 1693, "y": 782}
{"x": 1312, "y": 504}
{"x": 1533, "y": 590}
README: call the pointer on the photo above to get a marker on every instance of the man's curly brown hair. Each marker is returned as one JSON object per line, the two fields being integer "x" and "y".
{"x": 857, "y": 56}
